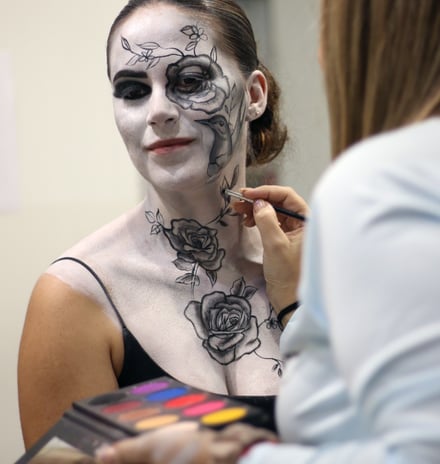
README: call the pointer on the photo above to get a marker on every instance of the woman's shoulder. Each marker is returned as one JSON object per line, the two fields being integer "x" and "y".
{"x": 117, "y": 233}
{"x": 89, "y": 266}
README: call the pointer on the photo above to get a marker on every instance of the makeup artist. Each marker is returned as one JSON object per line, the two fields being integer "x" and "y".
{"x": 362, "y": 377}
{"x": 175, "y": 286}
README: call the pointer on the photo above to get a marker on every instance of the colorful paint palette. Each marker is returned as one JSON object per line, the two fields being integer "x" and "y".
{"x": 144, "y": 407}
{"x": 165, "y": 401}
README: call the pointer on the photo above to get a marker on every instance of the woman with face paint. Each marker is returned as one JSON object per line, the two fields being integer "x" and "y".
{"x": 361, "y": 383}
{"x": 175, "y": 286}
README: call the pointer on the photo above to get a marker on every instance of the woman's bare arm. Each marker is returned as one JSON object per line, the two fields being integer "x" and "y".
{"x": 69, "y": 350}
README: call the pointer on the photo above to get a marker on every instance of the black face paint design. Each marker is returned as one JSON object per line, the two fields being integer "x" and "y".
{"x": 194, "y": 82}
{"x": 223, "y": 322}
{"x": 133, "y": 90}
{"x": 198, "y": 83}
{"x": 196, "y": 245}
{"x": 226, "y": 325}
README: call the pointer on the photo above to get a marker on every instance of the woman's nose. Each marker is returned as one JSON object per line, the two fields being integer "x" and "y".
{"x": 161, "y": 110}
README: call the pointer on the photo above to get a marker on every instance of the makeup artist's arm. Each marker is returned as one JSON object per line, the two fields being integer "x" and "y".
{"x": 67, "y": 352}
{"x": 281, "y": 237}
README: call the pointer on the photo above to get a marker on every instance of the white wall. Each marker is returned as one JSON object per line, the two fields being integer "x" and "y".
{"x": 295, "y": 28}
{"x": 74, "y": 174}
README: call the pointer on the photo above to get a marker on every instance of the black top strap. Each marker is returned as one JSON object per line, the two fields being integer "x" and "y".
{"x": 137, "y": 365}
{"x": 100, "y": 282}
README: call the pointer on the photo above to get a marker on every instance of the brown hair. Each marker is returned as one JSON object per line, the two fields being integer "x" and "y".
{"x": 381, "y": 61}
{"x": 267, "y": 133}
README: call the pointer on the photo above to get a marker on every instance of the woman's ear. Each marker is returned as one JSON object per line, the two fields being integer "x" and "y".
{"x": 257, "y": 89}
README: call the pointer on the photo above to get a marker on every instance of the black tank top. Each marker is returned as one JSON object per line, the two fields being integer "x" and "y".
{"x": 138, "y": 367}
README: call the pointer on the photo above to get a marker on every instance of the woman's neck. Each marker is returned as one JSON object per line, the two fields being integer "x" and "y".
{"x": 206, "y": 214}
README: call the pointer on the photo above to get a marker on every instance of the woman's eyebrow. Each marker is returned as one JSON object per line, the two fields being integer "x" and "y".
{"x": 129, "y": 73}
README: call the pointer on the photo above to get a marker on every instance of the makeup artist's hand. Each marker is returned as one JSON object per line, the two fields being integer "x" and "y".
{"x": 62, "y": 456}
{"x": 172, "y": 444}
{"x": 281, "y": 236}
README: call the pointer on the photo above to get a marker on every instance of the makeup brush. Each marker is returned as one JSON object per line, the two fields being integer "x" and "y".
{"x": 278, "y": 209}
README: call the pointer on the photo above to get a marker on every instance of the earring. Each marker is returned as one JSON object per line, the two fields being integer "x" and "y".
{"x": 253, "y": 113}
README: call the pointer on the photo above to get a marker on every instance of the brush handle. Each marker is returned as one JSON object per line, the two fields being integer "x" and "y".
{"x": 287, "y": 212}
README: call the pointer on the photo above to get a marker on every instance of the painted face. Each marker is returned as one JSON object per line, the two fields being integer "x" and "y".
{"x": 179, "y": 102}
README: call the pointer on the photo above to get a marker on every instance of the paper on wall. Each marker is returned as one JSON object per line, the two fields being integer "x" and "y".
{"x": 9, "y": 189}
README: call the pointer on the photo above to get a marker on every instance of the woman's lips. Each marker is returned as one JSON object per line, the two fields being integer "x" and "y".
{"x": 167, "y": 146}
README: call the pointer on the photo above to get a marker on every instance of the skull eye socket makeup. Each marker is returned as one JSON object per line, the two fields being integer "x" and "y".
{"x": 131, "y": 90}
{"x": 191, "y": 79}
{"x": 191, "y": 83}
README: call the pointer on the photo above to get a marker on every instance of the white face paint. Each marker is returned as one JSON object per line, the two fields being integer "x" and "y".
{"x": 179, "y": 102}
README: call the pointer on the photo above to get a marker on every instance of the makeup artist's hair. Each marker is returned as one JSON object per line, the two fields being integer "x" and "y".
{"x": 381, "y": 61}
{"x": 267, "y": 133}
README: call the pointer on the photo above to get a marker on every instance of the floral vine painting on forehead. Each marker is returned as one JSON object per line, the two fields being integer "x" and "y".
{"x": 224, "y": 322}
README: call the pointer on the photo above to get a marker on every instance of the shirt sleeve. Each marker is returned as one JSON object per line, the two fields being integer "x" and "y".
{"x": 348, "y": 453}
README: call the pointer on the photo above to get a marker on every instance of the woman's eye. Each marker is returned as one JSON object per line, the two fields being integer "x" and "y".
{"x": 191, "y": 83}
{"x": 131, "y": 90}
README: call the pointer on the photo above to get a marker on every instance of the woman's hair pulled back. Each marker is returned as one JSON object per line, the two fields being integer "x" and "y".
{"x": 267, "y": 133}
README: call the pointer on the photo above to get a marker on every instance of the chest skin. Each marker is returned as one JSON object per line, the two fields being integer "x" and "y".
{"x": 216, "y": 335}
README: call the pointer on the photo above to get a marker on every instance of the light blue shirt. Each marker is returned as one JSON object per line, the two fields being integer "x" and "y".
{"x": 362, "y": 377}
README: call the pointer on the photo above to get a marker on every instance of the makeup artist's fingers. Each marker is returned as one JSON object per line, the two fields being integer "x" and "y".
{"x": 281, "y": 256}
{"x": 278, "y": 195}
{"x": 246, "y": 434}
{"x": 266, "y": 220}
{"x": 281, "y": 237}
{"x": 62, "y": 456}
{"x": 166, "y": 446}
{"x": 163, "y": 446}
{"x": 246, "y": 210}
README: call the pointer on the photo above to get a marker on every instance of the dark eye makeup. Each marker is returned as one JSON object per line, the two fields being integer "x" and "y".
{"x": 131, "y": 90}
{"x": 191, "y": 83}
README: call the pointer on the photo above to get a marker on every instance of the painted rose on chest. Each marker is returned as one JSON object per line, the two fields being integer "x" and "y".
{"x": 225, "y": 323}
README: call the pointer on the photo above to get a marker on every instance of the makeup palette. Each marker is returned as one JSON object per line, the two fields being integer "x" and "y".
{"x": 141, "y": 408}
